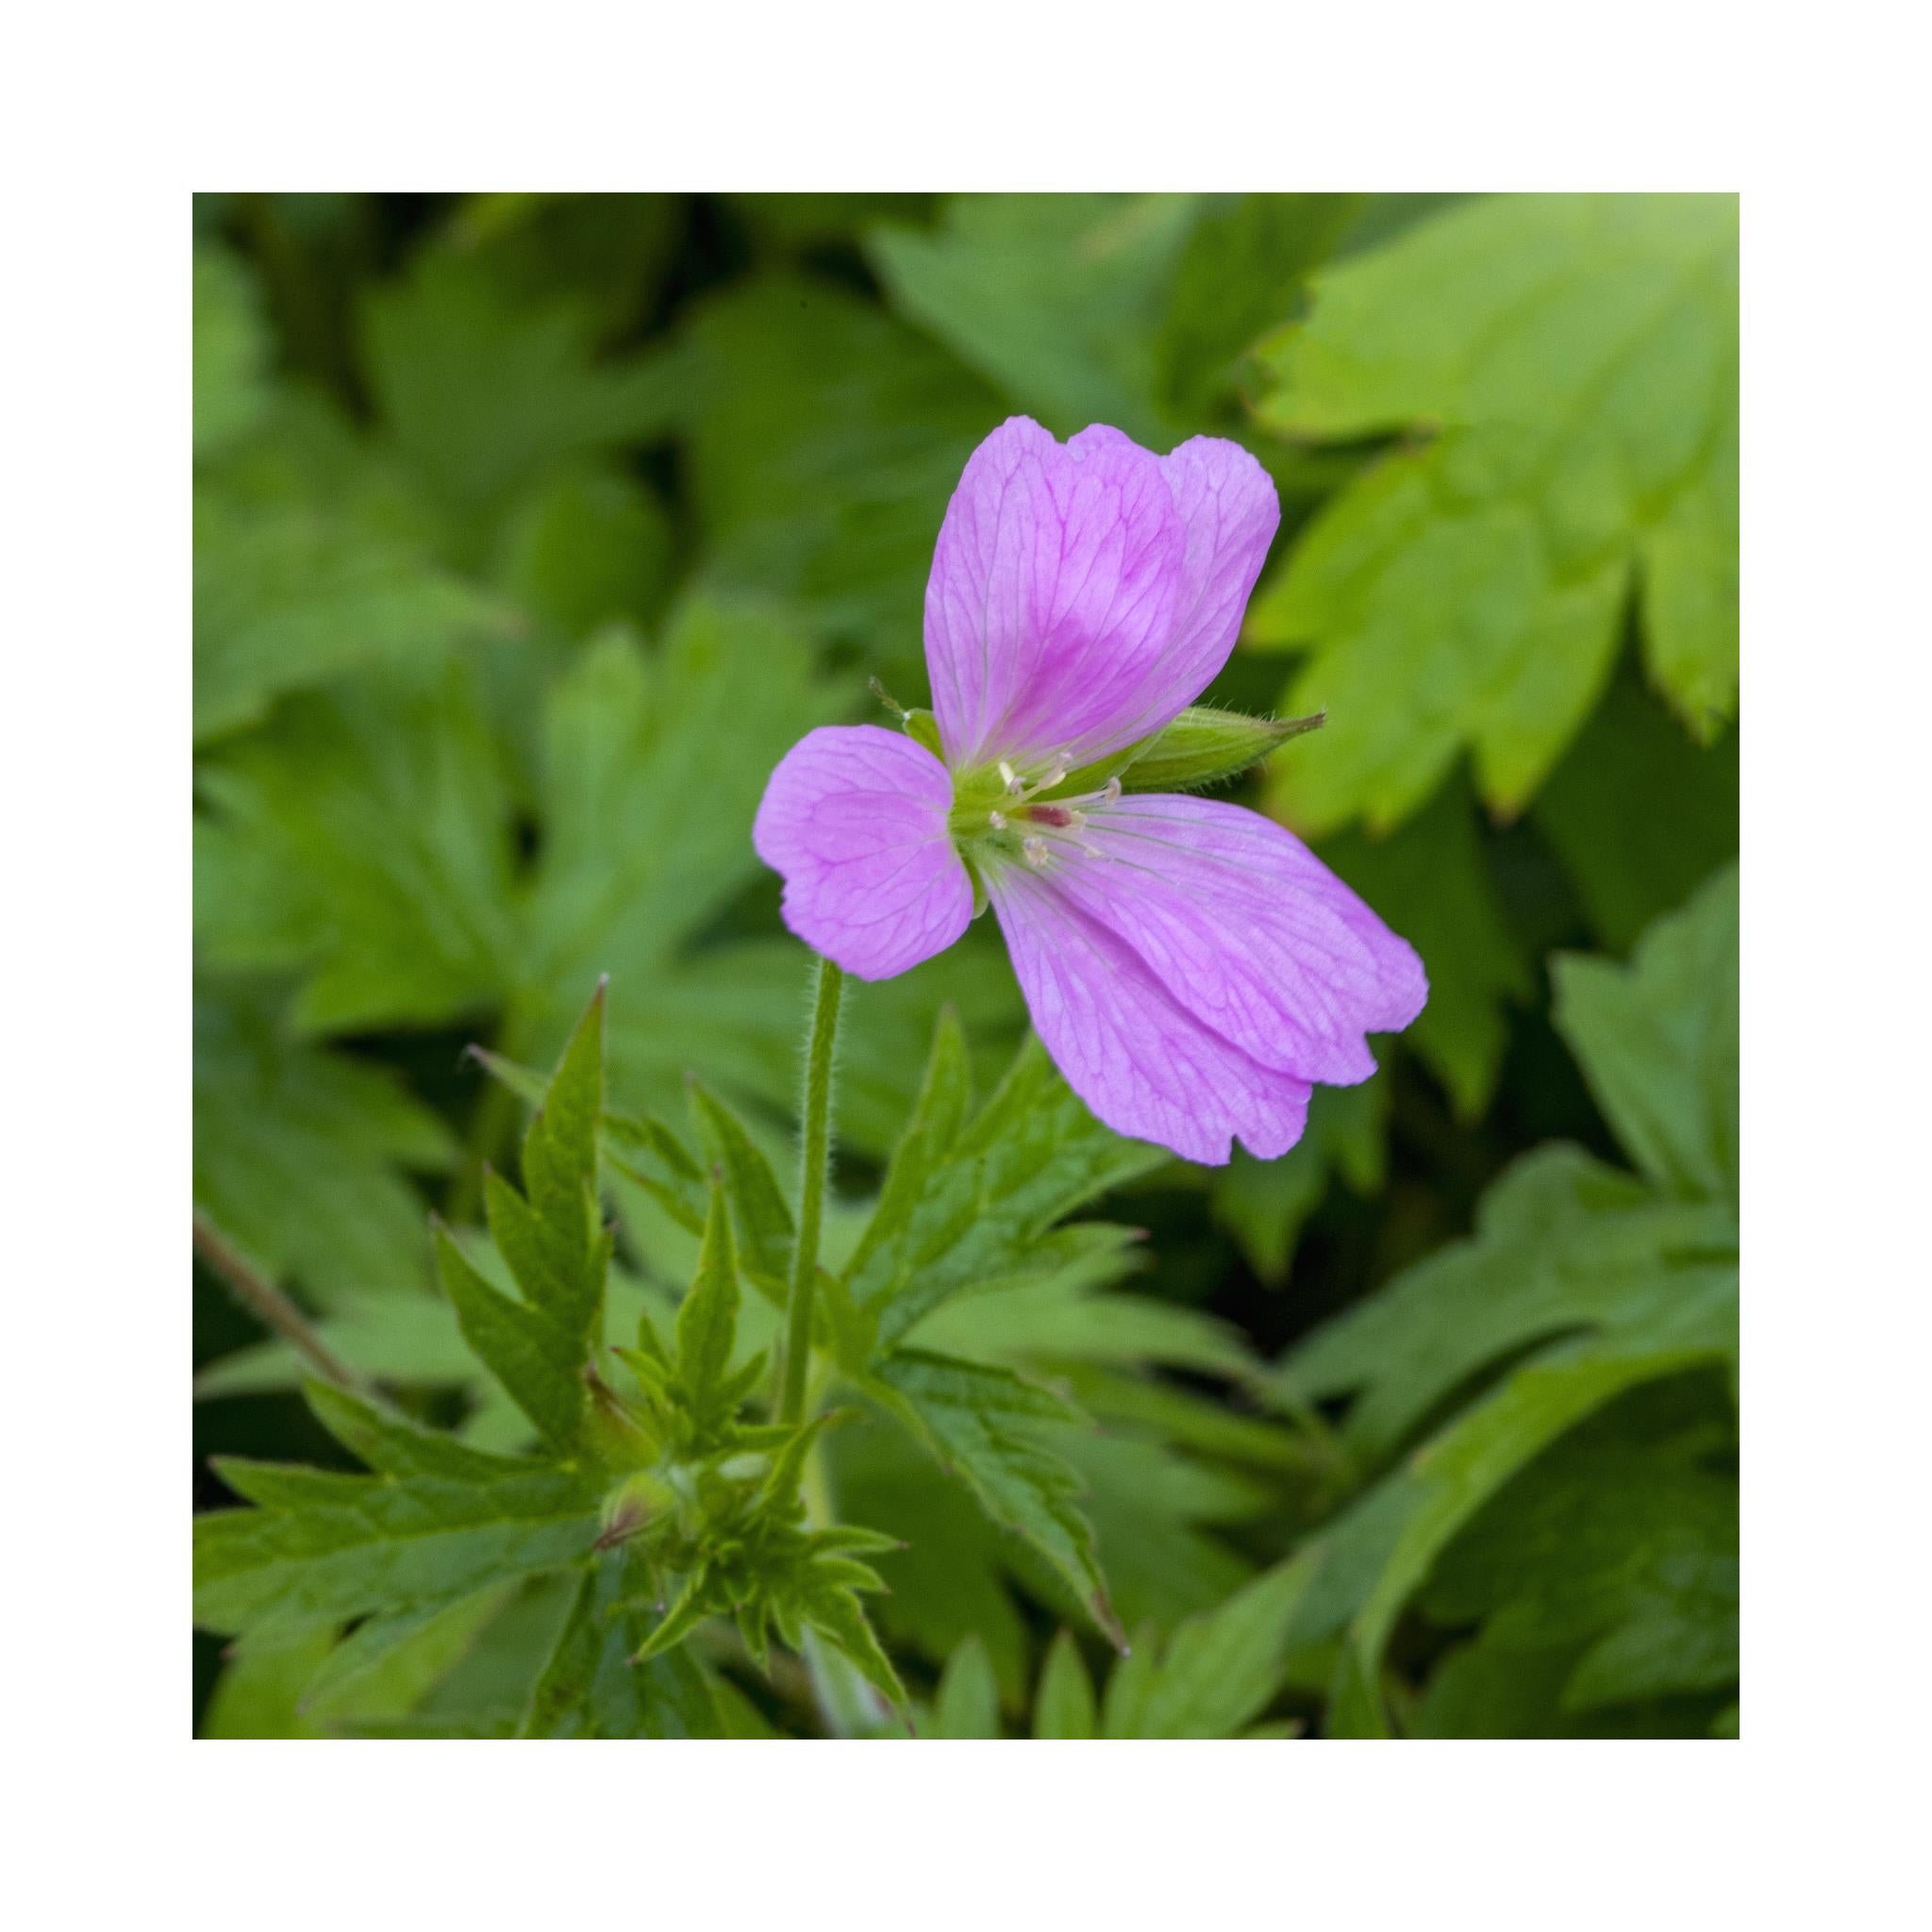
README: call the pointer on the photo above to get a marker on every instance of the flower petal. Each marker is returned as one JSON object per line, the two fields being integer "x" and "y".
{"x": 855, "y": 820}
{"x": 1230, "y": 512}
{"x": 1143, "y": 1063}
{"x": 1052, "y": 596}
{"x": 1244, "y": 927}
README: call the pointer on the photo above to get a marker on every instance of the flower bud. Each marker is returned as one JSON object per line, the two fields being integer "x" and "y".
{"x": 1203, "y": 745}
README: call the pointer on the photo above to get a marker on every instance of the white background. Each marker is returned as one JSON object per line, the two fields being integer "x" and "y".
{"x": 114, "y": 114}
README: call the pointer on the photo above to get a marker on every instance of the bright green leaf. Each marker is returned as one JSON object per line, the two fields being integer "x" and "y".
{"x": 1568, "y": 364}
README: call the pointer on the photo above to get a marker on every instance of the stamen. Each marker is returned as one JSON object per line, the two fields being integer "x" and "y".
{"x": 1011, "y": 780}
{"x": 1113, "y": 794}
{"x": 1061, "y": 815}
{"x": 1034, "y": 851}
{"x": 997, "y": 820}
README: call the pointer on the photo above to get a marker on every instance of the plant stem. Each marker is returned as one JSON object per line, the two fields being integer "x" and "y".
{"x": 274, "y": 1308}
{"x": 814, "y": 1156}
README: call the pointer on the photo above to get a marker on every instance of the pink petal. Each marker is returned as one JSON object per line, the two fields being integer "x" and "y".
{"x": 1229, "y": 513}
{"x": 1145, "y": 1065}
{"x": 1244, "y": 927}
{"x": 1052, "y": 596}
{"x": 854, "y": 820}
{"x": 1072, "y": 605}
{"x": 1228, "y": 506}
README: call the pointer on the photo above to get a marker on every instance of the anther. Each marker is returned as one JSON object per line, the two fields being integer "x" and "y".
{"x": 1009, "y": 779}
{"x": 997, "y": 820}
{"x": 1034, "y": 851}
{"x": 1113, "y": 794}
{"x": 1064, "y": 816}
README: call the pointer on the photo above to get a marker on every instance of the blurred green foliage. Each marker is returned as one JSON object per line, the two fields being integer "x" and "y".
{"x": 530, "y": 530}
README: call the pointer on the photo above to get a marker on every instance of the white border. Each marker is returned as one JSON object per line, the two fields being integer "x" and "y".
{"x": 118, "y": 113}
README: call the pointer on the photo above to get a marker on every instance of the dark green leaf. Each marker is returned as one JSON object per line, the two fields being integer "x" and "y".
{"x": 300, "y": 1155}
{"x": 1658, "y": 1040}
{"x": 1055, "y": 298}
{"x": 983, "y": 1422}
{"x": 1433, "y": 885}
{"x": 1033, "y": 1154}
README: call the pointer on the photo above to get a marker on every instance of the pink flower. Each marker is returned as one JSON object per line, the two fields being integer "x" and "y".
{"x": 1192, "y": 967}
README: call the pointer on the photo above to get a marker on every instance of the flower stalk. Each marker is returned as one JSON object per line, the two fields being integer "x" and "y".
{"x": 815, "y": 1148}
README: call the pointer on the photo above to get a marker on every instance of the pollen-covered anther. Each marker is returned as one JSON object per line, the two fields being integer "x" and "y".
{"x": 997, "y": 820}
{"x": 1112, "y": 795}
{"x": 1011, "y": 780}
{"x": 1034, "y": 852}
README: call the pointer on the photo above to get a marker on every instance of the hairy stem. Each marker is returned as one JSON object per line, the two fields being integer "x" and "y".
{"x": 814, "y": 1155}
{"x": 274, "y": 1308}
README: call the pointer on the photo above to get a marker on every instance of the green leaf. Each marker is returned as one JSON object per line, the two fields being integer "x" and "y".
{"x": 590, "y": 1687}
{"x": 588, "y": 547}
{"x": 533, "y": 1357}
{"x": 481, "y": 390}
{"x": 1657, "y": 1042}
{"x": 1264, "y": 1203}
{"x": 1033, "y": 1154}
{"x": 1068, "y": 1312}
{"x": 232, "y": 351}
{"x": 824, "y": 440}
{"x": 391, "y": 1444}
{"x": 653, "y": 765}
{"x": 364, "y": 842}
{"x": 260, "y": 1691}
{"x": 641, "y": 1149}
{"x": 1638, "y": 814}
{"x": 759, "y": 1216}
{"x": 968, "y": 1702}
{"x": 1057, "y": 299}
{"x": 300, "y": 1155}
{"x": 983, "y": 1423}
{"x": 1617, "y": 1548}
{"x": 1431, "y": 882}
{"x": 288, "y": 597}
{"x": 707, "y": 1318}
{"x": 1065, "y": 1706}
{"x": 377, "y": 1543}
{"x": 1244, "y": 268}
{"x": 1462, "y": 1469}
{"x": 1567, "y": 367}
{"x": 733, "y": 1012}
{"x": 406, "y": 1650}
{"x": 1563, "y": 1245}
{"x": 1219, "y": 1672}
{"x": 555, "y": 1246}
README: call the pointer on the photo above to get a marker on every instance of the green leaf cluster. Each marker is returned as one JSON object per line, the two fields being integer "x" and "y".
{"x": 1586, "y": 1291}
{"x": 531, "y": 530}
{"x": 653, "y": 1498}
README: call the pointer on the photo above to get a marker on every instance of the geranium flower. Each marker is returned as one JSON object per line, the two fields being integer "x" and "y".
{"x": 1191, "y": 966}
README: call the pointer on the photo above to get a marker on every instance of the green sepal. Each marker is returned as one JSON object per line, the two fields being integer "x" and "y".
{"x": 924, "y": 728}
{"x": 1201, "y": 747}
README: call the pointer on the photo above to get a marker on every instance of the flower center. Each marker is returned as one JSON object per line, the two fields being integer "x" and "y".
{"x": 999, "y": 817}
